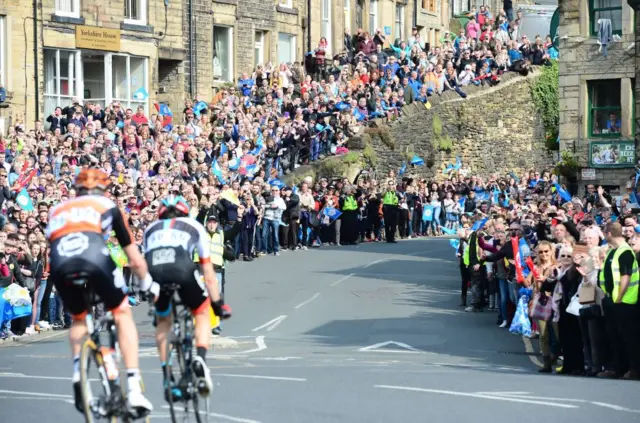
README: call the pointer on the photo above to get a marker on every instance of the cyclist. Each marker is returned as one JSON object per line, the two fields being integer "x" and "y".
{"x": 169, "y": 245}
{"x": 77, "y": 231}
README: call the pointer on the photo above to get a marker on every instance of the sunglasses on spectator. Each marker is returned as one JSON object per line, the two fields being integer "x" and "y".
{"x": 544, "y": 251}
{"x": 564, "y": 256}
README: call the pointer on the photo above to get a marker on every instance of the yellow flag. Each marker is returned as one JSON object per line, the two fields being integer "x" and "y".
{"x": 427, "y": 105}
{"x": 230, "y": 196}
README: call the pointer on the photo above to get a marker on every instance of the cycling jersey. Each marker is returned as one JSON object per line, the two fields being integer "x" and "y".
{"x": 76, "y": 231}
{"x": 168, "y": 246}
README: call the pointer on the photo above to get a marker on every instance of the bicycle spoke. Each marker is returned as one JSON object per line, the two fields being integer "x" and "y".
{"x": 94, "y": 382}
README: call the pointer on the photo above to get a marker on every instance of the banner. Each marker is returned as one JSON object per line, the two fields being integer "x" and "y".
{"x": 606, "y": 154}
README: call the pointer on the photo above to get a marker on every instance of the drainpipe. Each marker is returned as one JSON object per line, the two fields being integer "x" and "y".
{"x": 35, "y": 58}
{"x": 192, "y": 67}
{"x": 308, "y": 25}
{"x": 415, "y": 14}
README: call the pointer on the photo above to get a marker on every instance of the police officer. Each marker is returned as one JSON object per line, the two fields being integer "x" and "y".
{"x": 349, "y": 207}
{"x": 619, "y": 279}
{"x": 219, "y": 254}
{"x": 390, "y": 212}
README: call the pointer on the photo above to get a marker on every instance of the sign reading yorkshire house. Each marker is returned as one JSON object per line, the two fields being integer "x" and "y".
{"x": 612, "y": 153}
{"x": 95, "y": 38}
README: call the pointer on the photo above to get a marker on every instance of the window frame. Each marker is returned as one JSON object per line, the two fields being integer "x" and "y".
{"x": 142, "y": 10}
{"x": 593, "y": 30}
{"x": 590, "y": 94}
{"x": 286, "y": 3}
{"x": 231, "y": 58}
{"x": 373, "y": 16}
{"x": 75, "y": 5}
{"x": 4, "y": 68}
{"x": 329, "y": 23}
{"x": 346, "y": 7}
{"x": 260, "y": 46}
{"x": 399, "y": 21}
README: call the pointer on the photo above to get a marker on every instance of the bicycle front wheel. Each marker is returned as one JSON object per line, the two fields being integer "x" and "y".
{"x": 93, "y": 381}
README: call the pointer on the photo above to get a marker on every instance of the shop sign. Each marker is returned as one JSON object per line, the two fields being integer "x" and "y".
{"x": 95, "y": 38}
{"x": 588, "y": 174}
{"x": 608, "y": 154}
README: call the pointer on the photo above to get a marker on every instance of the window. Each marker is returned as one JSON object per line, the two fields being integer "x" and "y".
{"x": 60, "y": 78}
{"x": 3, "y": 52}
{"x": 347, "y": 13}
{"x": 135, "y": 11}
{"x": 223, "y": 53}
{"x": 286, "y": 48}
{"x": 604, "y": 108}
{"x": 373, "y": 16}
{"x": 399, "y": 21}
{"x": 69, "y": 8}
{"x": 430, "y": 5}
{"x": 98, "y": 78}
{"x": 259, "y": 49}
{"x": 325, "y": 28}
{"x": 606, "y": 9}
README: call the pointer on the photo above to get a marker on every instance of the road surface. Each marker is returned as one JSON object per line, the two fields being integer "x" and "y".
{"x": 371, "y": 333}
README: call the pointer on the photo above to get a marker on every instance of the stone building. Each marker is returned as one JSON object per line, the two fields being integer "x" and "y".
{"x": 597, "y": 91}
{"x": 100, "y": 52}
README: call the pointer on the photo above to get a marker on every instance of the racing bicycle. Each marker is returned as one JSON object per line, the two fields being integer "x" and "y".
{"x": 103, "y": 395}
{"x": 181, "y": 388}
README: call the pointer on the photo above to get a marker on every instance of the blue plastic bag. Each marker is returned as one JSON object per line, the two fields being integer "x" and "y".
{"x": 521, "y": 325}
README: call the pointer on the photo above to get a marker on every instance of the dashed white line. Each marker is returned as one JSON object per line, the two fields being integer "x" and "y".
{"x": 288, "y": 379}
{"x": 221, "y": 416}
{"x": 34, "y": 394}
{"x": 339, "y": 281}
{"x": 271, "y": 324}
{"x": 374, "y": 262}
{"x": 304, "y": 303}
{"x": 471, "y": 395}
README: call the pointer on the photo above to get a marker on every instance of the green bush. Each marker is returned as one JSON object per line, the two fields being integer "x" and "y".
{"x": 369, "y": 155}
{"x": 383, "y": 134}
{"x": 545, "y": 98}
{"x": 440, "y": 139}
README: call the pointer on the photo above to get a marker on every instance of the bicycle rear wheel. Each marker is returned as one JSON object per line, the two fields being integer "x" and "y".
{"x": 200, "y": 406}
{"x": 175, "y": 357}
{"x": 93, "y": 378}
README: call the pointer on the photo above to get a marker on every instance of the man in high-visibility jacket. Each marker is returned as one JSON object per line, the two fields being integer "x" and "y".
{"x": 349, "y": 207}
{"x": 390, "y": 201}
{"x": 619, "y": 280}
{"x": 217, "y": 250}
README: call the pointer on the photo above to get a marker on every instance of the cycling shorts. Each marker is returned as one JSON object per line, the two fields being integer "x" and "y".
{"x": 86, "y": 253}
{"x": 184, "y": 273}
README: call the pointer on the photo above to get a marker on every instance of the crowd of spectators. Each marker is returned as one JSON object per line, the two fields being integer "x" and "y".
{"x": 557, "y": 267}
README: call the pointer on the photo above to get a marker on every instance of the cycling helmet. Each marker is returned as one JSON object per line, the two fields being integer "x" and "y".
{"x": 173, "y": 206}
{"x": 90, "y": 181}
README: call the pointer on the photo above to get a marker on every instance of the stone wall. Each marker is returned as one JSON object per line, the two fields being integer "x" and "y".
{"x": 492, "y": 130}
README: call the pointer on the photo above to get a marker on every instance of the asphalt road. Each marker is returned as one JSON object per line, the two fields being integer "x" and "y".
{"x": 371, "y": 333}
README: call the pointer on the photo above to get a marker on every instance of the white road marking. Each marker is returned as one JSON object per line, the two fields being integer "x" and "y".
{"x": 528, "y": 347}
{"x": 271, "y": 324}
{"x": 506, "y": 393}
{"x": 304, "y": 303}
{"x": 614, "y": 407}
{"x": 23, "y": 376}
{"x": 374, "y": 262}
{"x": 339, "y": 281}
{"x": 35, "y": 394}
{"x": 261, "y": 345}
{"x": 375, "y": 347}
{"x": 279, "y": 358}
{"x": 289, "y": 379}
{"x": 221, "y": 416}
{"x": 472, "y": 395}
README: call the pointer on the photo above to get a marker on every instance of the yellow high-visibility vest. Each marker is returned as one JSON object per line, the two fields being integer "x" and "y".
{"x": 631, "y": 294}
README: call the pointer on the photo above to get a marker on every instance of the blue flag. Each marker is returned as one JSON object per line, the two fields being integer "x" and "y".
{"x": 234, "y": 163}
{"x": 342, "y": 105}
{"x": 482, "y": 195}
{"x": 24, "y": 200}
{"x": 164, "y": 110}
{"x": 199, "y": 107}
{"x": 252, "y": 169}
{"x": 332, "y": 213}
{"x": 218, "y": 172}
{"x": 562, "y": 192}
{"x": 449, "y": 231}
{"x": 462, "y": 201}
{"x": 479, "y": 224}
{"x": 223, "y": 148}
{"x": 141, "y": 94}
{"x": 417, "y": 161}
{"x": 277, "y": 183}
{"x": 427, "y": 213}
{"x": 403, "y": 169}
{"x": 455, "y": 243}
{"x": 358, "y": 114}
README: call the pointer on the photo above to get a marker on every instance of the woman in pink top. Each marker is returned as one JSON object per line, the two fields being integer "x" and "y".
{"x": 473, "y": 28}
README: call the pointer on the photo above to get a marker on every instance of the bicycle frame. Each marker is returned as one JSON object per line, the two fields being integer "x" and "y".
{"x": 186, "y": 341}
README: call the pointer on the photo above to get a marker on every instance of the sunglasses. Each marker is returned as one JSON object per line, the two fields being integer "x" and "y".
{"x": 544, "y": 251}
{"x": 564, "y": 256}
